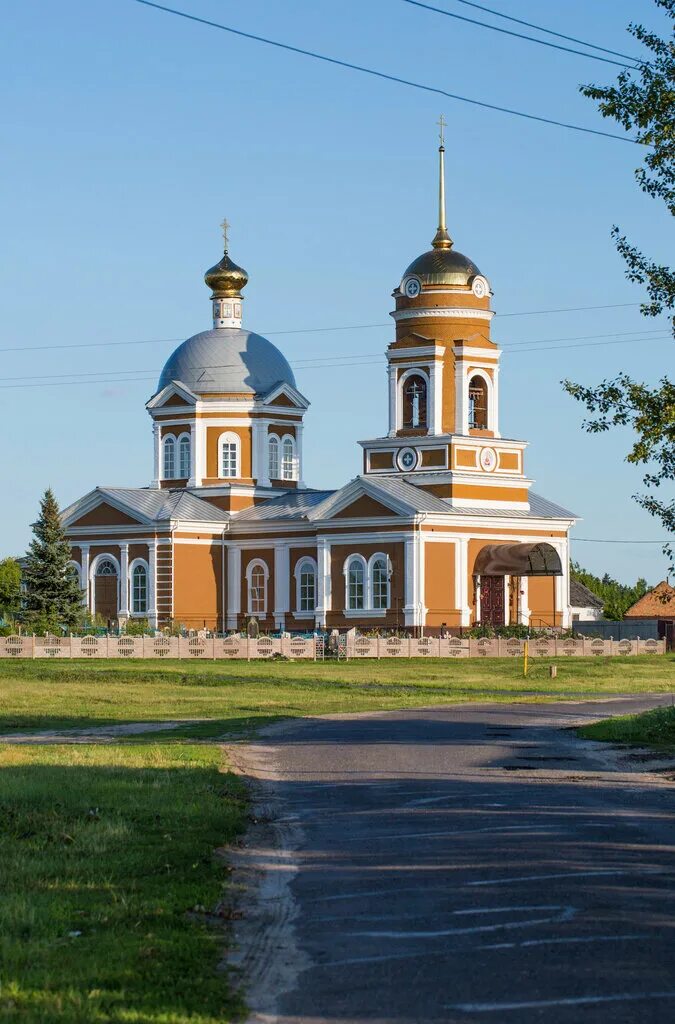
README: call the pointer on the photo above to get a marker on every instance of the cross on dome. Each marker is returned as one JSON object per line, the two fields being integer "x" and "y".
{"x": 226, "y": 232}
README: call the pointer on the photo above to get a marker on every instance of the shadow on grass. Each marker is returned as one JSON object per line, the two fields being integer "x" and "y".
{"x": 112, "y": 886}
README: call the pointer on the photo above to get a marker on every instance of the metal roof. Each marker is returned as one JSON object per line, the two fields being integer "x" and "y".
{"x": 293, "y": 505}
{"x": 582, "y": 597}
{"x": 165, "y": 504}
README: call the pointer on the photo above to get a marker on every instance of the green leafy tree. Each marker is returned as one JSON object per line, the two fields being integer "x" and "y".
{"x": 643, "y": 101}
{"x": 53, "y": 594}
{"x": 616, "y": 597}
{"x": 10, "y": 587}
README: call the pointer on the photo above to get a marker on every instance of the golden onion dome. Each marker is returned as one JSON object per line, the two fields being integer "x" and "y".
{"x": 226, "y": 279}
{"x": 443, "y": 266}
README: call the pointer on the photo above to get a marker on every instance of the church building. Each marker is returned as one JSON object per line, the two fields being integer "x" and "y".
{"x": 440, "y": 529}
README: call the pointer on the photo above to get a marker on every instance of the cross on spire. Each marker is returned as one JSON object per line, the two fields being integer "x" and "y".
{"x": 442, "y": 124}
{"x": 226, "y": 228}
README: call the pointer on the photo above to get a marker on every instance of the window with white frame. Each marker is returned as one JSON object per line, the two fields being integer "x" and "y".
{"x": 139, "y": 589}
{"x": 229, "y": 446}
{"x": 169, "y": 460}
{"x": 414, "y": 400}
{"x": 288, "y": 458}
{"x": 256, "y": 577}
{"x": 379, "y": 581}
{"x": 106, "y": 567}
{"x": 356, "y": 583}
{"x": 305, "y": 574}
{"x": 478, "y": 403}
{"x": 273, "y": 450}
{"x": 184, "y": 456}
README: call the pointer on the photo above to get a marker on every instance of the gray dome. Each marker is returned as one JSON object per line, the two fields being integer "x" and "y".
{"x": 228, "y": 359}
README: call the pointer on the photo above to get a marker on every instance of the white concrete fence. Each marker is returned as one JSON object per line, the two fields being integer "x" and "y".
{"x": 297, "y": 647}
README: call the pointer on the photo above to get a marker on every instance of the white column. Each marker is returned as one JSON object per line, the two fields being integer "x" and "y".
{"x": 393, "y": 401}
{"x": 495, "y": 403}
{"x": 462, "y": 581}
{"x": 84, "y": 576}
{"x": 299, "y": 430}
{"x": 461, "y": 400}
{"x": 197, "y": 453}
{"x": 124, "y": 580}
{"x": 324, "y": 589}
{"x": 152, "y": 584}
{"x": 561, "y": 583}
{"x": 420, "y": 595}
{"x": 281, "y": 584}
{"x": 523, "y": 602}
{"x": 261, "y": 462}
{"x": 233, "y": 586}
{"x": 437, "y": 371}
{"x": 157, "y": 450}
{"x": 409, "y": 581}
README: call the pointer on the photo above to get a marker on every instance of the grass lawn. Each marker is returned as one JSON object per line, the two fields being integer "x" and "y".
{"x": 107, "y": 851}
{"x": 651, "y": 729}
{"x": 108, "y": 869}
{"x": 238, "y": 695}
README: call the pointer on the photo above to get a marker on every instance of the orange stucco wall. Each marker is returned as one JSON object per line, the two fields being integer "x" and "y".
{"x": 339, "y": 553}
{"x": 212, "y": 435}
{"x": 439, "y": 584}
{"x": 196, "y": 585}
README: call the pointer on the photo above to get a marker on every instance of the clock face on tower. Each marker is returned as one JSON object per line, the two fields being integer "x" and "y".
{"x": 406, "y": 459}
{"x": 412, "y": 288}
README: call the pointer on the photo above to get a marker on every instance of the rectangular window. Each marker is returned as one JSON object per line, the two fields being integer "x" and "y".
{"x": 229, "y": 459}
{"x": 307, "y": 592}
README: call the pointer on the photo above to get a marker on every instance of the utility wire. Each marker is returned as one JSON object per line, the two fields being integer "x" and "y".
{"x": 516, "y": 35}
{"x": 598, "y": 540}
{"x": 305, "y": 330}
{"x": 548, "y": 31}
{"x": 370, "y": 359}
{"x": 384, "y": 75}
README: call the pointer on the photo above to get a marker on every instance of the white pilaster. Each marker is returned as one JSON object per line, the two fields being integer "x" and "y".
{"x": 495, "y": 403}
{"x": 437, "y": 407}
{"x": 84, "y": 576}
{"x": 393, "y": 401}
{"x": 409, "y": 581}
{"x": 197, "y": 453}
{"x": 157, "y": 454}
{"x": 324, "y": 589}
{"x": 124, "y": 580}
{"x": 523, "y": 602}
{"x": 233, "y": 586}
{"x": 152, "y": 584}
{"x": 462, "y": 581}
{"x": 420, "y": 601}
{"x": 461, "y": 399}
{"x": 299, "y": 430}
{"x": 261, "y": 461}
{"x": 281, "y": 584}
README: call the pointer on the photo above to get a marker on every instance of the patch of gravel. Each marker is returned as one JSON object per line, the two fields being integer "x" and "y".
{"x": 98, "y": 733}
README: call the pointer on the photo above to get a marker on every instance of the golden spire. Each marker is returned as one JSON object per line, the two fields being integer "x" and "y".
{"x": 442, "y": 239}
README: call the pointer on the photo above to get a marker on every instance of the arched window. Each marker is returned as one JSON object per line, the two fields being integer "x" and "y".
{"x": 229, "y": 455}
{"x": 73, "y": 571}
{"x": 478, "y": 403}
{"x": 184, "y": 456}
{"x": 379, "y": 581}
{"x": 139, "y": 589}
{"x": 273, "y": 448}
{"x": 355, "y": 579}
{"x": 256, "y": 578}
{"x": 288, "y": 458}
{"x": 106, "y": 567}
{"x": 305, "y": 577}
{"x": 169, "y": 457}
{"x": 414, "y": 388}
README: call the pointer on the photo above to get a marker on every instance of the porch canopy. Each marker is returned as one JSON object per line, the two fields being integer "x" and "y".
{"x": 518, "y": 560}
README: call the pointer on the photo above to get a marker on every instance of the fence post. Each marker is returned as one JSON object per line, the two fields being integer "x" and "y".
{"x": 33, "y": 646}
{"x": 377, "y": 641}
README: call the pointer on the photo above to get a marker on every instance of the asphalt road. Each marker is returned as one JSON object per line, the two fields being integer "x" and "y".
{"x": 476, "y": 863}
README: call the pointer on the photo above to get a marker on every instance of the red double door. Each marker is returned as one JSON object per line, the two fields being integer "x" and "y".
{"x": 492, "y": 608}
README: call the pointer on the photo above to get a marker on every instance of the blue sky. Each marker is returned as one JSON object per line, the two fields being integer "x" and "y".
{"x": 128, "y": 134}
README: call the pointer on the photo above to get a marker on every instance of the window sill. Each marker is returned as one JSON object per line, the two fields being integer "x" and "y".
{"x": 304, "y": 615}
{"x": 362, "y": 613}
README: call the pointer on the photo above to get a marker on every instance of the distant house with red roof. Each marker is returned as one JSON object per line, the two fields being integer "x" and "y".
{"x": 658, "y": 603}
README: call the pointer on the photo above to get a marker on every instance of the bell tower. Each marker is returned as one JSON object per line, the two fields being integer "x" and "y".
{"x": 443, "y": 376}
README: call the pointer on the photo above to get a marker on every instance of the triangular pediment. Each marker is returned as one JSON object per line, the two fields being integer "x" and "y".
{"x": 286, "y": 396}
{"x": 105, "y": 514}
{"x": 364, "y": 507}
{"x": 174, "y": 394}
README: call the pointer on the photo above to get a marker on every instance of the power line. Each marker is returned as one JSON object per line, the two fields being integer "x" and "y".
{"x": 516, "y": 35}
{"x": 598, "y": 540}
{"x": 336, "y": 362}
{"x": 383, "y": 75}
{"x": 304, "y": 330}
{"x": 548, "y": 31}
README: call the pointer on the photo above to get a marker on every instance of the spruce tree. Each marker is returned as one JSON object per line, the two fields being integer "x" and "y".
{"x": 52, "y": 591}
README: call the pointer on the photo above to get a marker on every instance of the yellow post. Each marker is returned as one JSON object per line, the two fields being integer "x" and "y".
{"x": 526, "y": 651}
